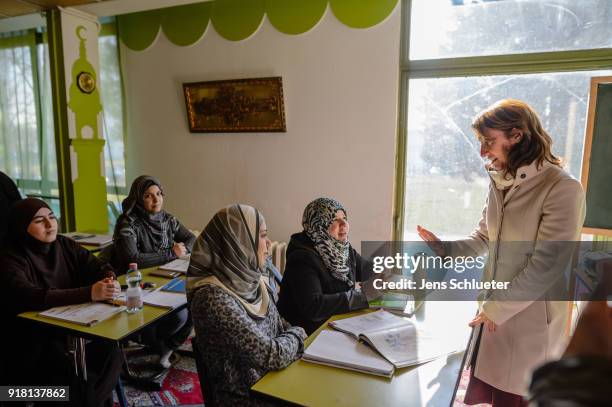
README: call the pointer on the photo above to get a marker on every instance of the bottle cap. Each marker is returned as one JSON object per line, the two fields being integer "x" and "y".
{"x": 133, "y": 266}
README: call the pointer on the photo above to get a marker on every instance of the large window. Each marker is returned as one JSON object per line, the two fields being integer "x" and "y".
{"x": 27, "y": 143}
{"x": 464, "y": 56}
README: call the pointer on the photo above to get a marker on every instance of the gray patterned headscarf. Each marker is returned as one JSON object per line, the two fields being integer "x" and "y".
{"x": 133, "y": 208}
{"x": 318, "y": 216}
{"x": 225, "y": 254}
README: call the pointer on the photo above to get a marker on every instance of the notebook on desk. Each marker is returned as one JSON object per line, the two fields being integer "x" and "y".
{"x": 87, "y": 314}
{"x": 398, "y": 340}
{"x": 337, "y": 349}
{"x": 175, "y": 286}
{"x": 177, "y": 265}
{"x": 395, "y": 340}
{"x": 90, "y": 239}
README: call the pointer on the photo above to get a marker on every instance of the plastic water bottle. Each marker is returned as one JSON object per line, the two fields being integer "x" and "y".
{"x": 133, "y": 295}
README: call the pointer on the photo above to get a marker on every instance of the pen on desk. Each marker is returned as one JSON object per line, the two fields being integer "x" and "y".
{"x": 80, "y": 237}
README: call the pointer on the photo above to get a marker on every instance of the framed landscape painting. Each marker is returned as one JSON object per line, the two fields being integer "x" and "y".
{"x": 236, "y": 105}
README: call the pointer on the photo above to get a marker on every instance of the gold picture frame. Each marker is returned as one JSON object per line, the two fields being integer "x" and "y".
{"x": 235, "y": 105}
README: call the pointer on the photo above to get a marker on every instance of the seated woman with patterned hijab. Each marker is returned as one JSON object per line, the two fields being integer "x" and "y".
{"x": 323, "y": 270}
{"x": 239, "y": 333}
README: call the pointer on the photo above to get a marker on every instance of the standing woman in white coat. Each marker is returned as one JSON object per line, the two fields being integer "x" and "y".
{"x": 531, "y": 200}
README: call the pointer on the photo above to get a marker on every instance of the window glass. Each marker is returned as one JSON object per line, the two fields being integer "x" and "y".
{"x": 110, "y": 88}
{"x": 491, "y": 27}
{"x": 446, "y": 184}
{"x": 19, "y": 129}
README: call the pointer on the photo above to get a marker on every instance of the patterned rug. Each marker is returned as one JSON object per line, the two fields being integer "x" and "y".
{"x": 179, "y": 387}
{"x": 463, "y": 383}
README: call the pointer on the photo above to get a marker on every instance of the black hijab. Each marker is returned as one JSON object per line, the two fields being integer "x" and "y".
{"x": 46, "y": 258}
{"x": 9, "y": 194}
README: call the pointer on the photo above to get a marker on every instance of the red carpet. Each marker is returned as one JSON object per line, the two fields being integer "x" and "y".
{"x": 180, "y": 387}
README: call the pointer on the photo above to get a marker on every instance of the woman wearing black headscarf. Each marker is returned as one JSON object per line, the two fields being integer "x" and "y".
{"x": 9, "y": 194}
{"x": 40, "y": 270}
{"x": 323, "y": 270}
{"x": 149, "y": 236}
{"x": 145, "y": 233}
{"x": 239, "y": 333}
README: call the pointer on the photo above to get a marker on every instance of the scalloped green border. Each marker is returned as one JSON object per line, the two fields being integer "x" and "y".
{"x": 236, "y": 20}
{"x": 185, "y": 25}
{"x": 295, "y": 16}
{"x": 362, "y": 13}
{"x": 138, "y": 30}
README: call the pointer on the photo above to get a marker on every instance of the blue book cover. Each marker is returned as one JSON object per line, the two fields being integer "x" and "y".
{"x": 176, "y": 286}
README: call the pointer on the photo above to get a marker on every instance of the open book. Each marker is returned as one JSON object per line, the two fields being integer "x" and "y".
{"x": 337, "y": 349}
{"x": 90, "y": 239}
{"x": 157, "y": 298}
{"x": 87, "y": 314}
{"x": 396, "y": 339}
{"x": 178, "y": 265}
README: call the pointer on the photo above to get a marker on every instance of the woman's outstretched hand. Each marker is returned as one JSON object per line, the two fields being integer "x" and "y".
{"x": 432, "y": 240}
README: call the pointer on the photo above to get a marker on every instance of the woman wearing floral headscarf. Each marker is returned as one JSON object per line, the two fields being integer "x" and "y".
{"x": 239, "y": 333}
{"x": 323, "y": 270}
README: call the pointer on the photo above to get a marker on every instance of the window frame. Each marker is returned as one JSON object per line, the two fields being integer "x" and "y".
{"x": 487, "y": 65}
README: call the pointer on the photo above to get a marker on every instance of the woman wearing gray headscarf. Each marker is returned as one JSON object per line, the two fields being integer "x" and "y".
{"x": 149, "y": 236}
{"x": 239, "y": 333}
{"x": 145, "y": 233}
{"x": 323, "y": 270}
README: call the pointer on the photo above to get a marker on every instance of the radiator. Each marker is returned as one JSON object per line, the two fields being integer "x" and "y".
{"x": 279, "y": 255}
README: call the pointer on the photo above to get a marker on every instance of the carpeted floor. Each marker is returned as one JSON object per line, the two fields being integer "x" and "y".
{"x": 465, "y": 378}
{"x": 179, "y": 387}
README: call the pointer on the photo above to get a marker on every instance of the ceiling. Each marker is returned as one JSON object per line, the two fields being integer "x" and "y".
{"x": 13, "y": 8}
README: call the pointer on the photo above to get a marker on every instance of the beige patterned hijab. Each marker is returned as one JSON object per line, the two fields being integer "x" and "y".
{"x": 225, "y": 255}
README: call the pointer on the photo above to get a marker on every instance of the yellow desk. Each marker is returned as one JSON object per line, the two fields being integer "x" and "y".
{"x": 429, "y": 384}
{"x": 116, "y": 327}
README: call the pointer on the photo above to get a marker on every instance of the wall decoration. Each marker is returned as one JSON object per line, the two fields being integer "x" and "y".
{"x": 237, "y": 20}
{"x": 237, "y": 105}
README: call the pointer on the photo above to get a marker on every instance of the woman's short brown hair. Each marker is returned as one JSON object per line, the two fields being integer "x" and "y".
{"x": 510, "y": 115}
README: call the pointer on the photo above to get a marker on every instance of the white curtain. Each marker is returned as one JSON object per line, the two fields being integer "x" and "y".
{"x": 20, "y": 132}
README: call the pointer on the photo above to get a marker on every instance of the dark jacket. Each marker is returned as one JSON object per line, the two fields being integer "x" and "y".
{"x": 9, "y": 194}
{"x": 135, "y": 242}
{"x": 31, "y": 281}
{"x": 309, "y": 294}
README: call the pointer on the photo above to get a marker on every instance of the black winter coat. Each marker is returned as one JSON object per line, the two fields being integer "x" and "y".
{"x": 309, "y": 294}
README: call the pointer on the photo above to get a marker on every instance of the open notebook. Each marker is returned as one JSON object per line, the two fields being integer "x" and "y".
{"x": 177, "y": 265}
{"x": 338, "y": 349}
{"x": 396, "y": 340}
{"x": 90, "y": 239}
{"x": 87, "y": 314}
{"x": 158, "y": 298}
